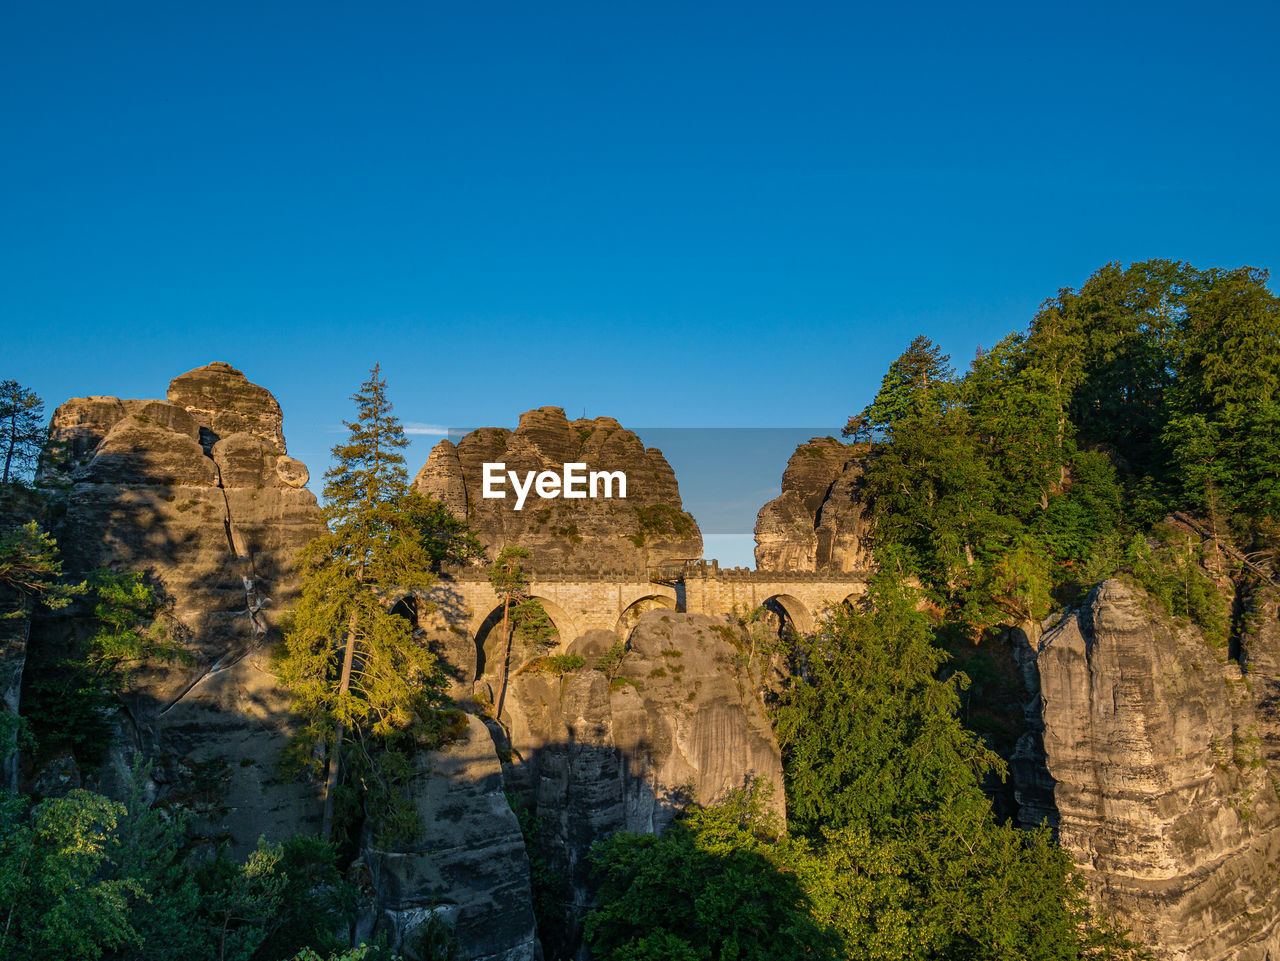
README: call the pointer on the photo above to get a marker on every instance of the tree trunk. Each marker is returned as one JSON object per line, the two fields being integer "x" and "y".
{"x": 335, "y": 754}
{"x": 13, "y": 441}
{"x": 506, "y": 661}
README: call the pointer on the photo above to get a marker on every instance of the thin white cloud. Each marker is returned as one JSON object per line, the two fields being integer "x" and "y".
{"x": 430, "y": 430}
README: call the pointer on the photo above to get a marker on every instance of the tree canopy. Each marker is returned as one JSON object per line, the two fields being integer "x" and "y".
{"x": 1152, "y": 388}
{"x": 22, "y": 431}
{"x": 354, "y": 665}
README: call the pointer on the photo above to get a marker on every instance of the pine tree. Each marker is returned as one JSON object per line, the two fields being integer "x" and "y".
{"x": 910, "y": 386}
{"x": 353, "y": 664}
{"x": 21, "y": 430}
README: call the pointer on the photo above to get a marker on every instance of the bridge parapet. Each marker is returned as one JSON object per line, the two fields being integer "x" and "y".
{"x": 473, "y": 575}
{"x": 669, "y": 574}
{"x": 713, "y": 570}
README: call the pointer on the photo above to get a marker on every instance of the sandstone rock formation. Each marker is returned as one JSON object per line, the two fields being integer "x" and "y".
{"x": 469, "y": 867}
{"x": 647, "y": 528}
{"x": 819, "y": 522}
{"x": 678, "y": 719}
{"x": 197, "y": 492}
{"x": 1150, "y": 741}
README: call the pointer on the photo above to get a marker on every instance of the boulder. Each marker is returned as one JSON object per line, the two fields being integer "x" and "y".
{"x": 1163, "y": 796}
{"x": 468, "y": 867}
{"x": 819, "y": 522}
{"x": 679, "y": 720}
{"x": 190, "y": 492}
{"x": 647, "y": 527}
{"x": 224, "y": 402}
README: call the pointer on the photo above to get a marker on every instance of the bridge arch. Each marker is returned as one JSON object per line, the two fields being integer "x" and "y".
{"x": 407, "y": 607}
{"x": 854, "y": 599}
{"x": 485, "y": 631}
{"x": 632, "y": 613}
{"x": 791, "y": 609}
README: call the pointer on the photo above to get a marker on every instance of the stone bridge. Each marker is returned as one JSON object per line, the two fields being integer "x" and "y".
{"x": 577, "y": 603}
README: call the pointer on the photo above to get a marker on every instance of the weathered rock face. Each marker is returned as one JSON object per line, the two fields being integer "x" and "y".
{"x": 1260, "y": 658}
{"x": 13, "y": 658}
{"x": 679, "y": 721}
{"x": 222, "y": 401}
{"x": 1162, "y": 794}
{"x": 198, "y": 493}
{"x": 469, "y": 867}
{"x": 648, "y": 527}
{"x": 819, "y": 522}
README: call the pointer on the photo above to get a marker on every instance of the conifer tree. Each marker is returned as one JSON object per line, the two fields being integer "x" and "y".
{"x": 353, "y": 664}
{"x": 21, "y": 430}
{"x": 909, "y": 387}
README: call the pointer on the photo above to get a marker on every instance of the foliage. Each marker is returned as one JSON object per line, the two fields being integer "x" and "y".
{"x": 69, "y": 704}
{"x": 663, "y": 520}
{"x": 884, "y": 784}
{"x": 510, "y": 581}
{"x": 915, "y": 383}
{"x": 1170, "y": 567}
{"x": 83, "y": 877}
{"x": 22, "y": 431}
{"x": 361, "y": 682}
{"x": 1153, "y": 388}
{"x": 529, "y": 622}
{"x": 132, "y": 623}
{"x": 549, "y": 886}
{"x": 870, "y": 736}
{"x": 54, "y": 900}
{"x": 610, "y": 661}
{"x": 718, "y": 884}
{"x": 31, "y": 569}
{"x": 446, "y": 539}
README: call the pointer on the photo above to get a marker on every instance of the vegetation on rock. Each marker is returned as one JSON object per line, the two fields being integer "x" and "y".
{"x": 367, "y": 690}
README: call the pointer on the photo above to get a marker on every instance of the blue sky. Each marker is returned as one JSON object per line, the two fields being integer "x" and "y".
{"x": 677, "y": 215}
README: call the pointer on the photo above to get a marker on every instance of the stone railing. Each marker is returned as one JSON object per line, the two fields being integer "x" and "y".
{"x": 670, "y": 573}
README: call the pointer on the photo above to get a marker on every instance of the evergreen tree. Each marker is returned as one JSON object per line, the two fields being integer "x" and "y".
{"x": 354, "y": 666}
{"x": 22, "y": 430}
{"x": 1223, "y": 432}
{"x": 31, "y": 570}
{"x": 911, "y": 385}
{"x": 511, "y": 583}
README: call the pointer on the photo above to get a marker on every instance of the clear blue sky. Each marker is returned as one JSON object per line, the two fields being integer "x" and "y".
{"x": 677, "y": 215}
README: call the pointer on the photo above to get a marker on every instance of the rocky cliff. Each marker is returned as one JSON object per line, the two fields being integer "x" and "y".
{"x": 648, "y": 527}
{"x": 197, "y": 492}
{"x": 626, "y": 740}
{"x": 1156, "y": 772}
{"x": 819, "y": 522}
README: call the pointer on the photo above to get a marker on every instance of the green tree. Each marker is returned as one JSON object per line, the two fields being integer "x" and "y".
{"x": 352, "y": 664}
{"x": 31, "y": 570}
{"x": 447, "y": 540}
{"x": 54, "y": 900}
{"x": 511, "y": 583}
{"x": 718, "y": 884}
{"x": 907, "y": 859}
{"x": 71, "y": 702}
{"x": 22, "y": 430}
{"x": 1223, "y": 431}
{"x": 912, "y": 383}
{"x": 870, "y": 737}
